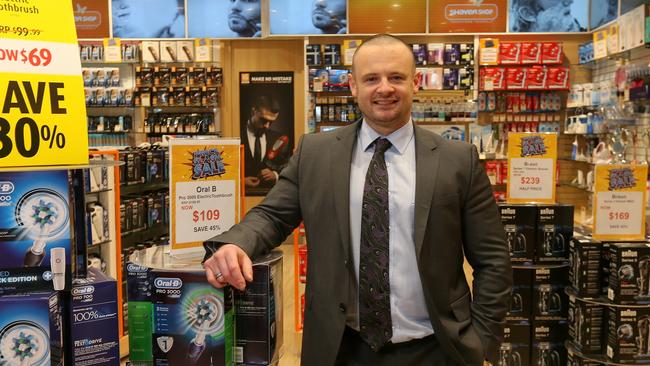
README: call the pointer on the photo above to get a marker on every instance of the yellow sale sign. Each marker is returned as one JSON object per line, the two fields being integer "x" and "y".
{"x": 42, "y": 103}
{"x": 532, "y": 159}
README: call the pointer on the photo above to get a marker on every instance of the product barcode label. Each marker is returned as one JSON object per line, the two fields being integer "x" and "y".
{"x": 239, "y": 354}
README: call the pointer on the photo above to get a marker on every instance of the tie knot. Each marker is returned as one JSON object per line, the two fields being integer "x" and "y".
{"x": 381, "y": 145}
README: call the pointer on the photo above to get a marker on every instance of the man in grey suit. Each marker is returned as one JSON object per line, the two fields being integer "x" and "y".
{"x": 390, "y": 211}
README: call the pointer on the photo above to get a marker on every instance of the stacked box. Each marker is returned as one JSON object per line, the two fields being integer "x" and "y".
{"x": 31, "y": 329}
{"x": 515, "y": 347}
{"x": 519, "y": 222}
{"x": 628, "y": 335}
{"x": 554, "y": 231}
{"x": 586, "y": 322}
{"x": 585, "y": 266}
{"x": 575, "y": 360}
{"x": 91, "y": 335}
{"x": 178, "y": 318}
{"x": 259, "y": 314}
{"x": 314, "y": 55}
{"x": 629, "y": 278}
{"x": 548, "y": 339}
{"x": 605, "y": 270}
{"x": 550, "y": 302}
{"x": 522, "y": 293}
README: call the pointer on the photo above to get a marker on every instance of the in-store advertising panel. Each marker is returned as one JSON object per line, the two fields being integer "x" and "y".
{"x": 224, "y": 19}
{"x": 205, "y": 190}
{"x": 531, "y": 167}
{"x": 42, "y": 105}
{"x": 308, "y": 17}
{"x": 148, "y": 18}
{"x": 601, "y": 12}
{"x": 548, "y": 16}
{"x": 267, "y": 123}
{"x": 387, "y": 16}
{"x": 468, "y": 16}
{"x": 91, "y": 17}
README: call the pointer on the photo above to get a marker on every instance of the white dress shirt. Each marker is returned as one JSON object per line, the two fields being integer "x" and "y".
{"x": 409, "y": 314}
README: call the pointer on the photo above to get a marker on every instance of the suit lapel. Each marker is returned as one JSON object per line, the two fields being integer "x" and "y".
{"x": 340, "y": 162}
{"x": 426, "y": 163}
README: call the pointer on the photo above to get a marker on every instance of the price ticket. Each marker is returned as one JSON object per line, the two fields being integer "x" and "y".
{"x": 619, "y": 202}
{"x": 42, "y": 103}
{"x": 531, "y": 167}
{"x": 205, "y": 190}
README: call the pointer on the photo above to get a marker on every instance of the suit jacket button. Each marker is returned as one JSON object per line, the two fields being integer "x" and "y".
{"x": 342, "y": 308}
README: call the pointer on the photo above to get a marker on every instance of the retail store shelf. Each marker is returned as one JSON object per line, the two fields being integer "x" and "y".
{"x": 576, "y": 161}
{"x": 100, "y": 243}
{"x": 527, "y": 265}
{"x": 99, "y": 191}
{"x": 109, "y": 132}
{"x": 137, "y": 237}
{"x": 604, "y": 301}
{"x": 143, "y": 187}
{"x": 601, "y": 359}
{"x": 151, "y": 134}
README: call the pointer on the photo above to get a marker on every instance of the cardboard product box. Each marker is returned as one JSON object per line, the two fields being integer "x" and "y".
{"x": 628, "y": 335}
{"x": 420, "y": 54}
{"x": 515, "y": 347}
{"x": 629, "y": 278}
{"x": 515, "y": 78}
{"x": 531, "y": 52}
{"x": 435, "y": 53}
{"x": 338, "y": 80}
{"x": 547, "y": 341}
{"x": 519, "y": 223}
{"x": 585, "y": 265}
{"x": 179, "y": 76}
{"x": 550, "y": 302}
{"x": 151, "y": 51}
{"x": 177, "y": 318}
{"x": 91, "y": 335}
{"x": 452, "y": 54}
{"x": 259, "y": 314}
{"x": 492, "y": 78}
{"x": 535, "y": 78}
{"x": 522, "y": 295}
{"x": 37, "y": 229}
{"x": 467, "y": 53}
{"x": 557, "y": 77}
{"x": 554, "y": 231}
{"x": 551, "y": 52}
{"x": 31, "y": 329}
{"x": 332, "y": 54}
{"x": 510, "y": 53}
{"x": 314, "y": 55}
{"x": 587, "y": 325}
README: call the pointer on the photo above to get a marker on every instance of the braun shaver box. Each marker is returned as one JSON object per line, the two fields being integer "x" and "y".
{"x": 554, "y": 230}
{"x": 514, "y": 350}
{"x": 519, "y": 223}
{"x": 628, "y": 339}
{"x": 629, "y": 278}
{"x": 586, "y": 325}
{"x": 259, "y": 314}
{"x": 585, "y": 266}
{"x": 548, "y": 339}
{"x": 521, "y": 296}
{"x": 550, "y": 302}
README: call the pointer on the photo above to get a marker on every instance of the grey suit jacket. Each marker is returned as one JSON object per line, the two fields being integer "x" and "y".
{"x": 455, "y": 214}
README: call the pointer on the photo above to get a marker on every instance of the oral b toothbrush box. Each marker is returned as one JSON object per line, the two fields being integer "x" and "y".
{"x": 35, "y": 218}
{"x": 91, "y": 336}
{"x": 31, "y": 329}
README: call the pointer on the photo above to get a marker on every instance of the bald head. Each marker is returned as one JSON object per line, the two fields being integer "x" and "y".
{"x": 382, "y": 40}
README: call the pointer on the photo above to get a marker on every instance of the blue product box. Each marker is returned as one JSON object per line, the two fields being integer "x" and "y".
{"x": 259, "y": 314}
{"x": 91, "y": 336}
{"x": 338, "y": 80}
{"x": 452, "y": 54}
{"x": 31, "y": 329}
{"x": 36, "y": 220}
{"x": 420, "y": 54}
{"x": 450, "y": 79}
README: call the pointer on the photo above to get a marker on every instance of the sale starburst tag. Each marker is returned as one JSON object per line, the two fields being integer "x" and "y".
{"x": 205, "y": 197}
{"x": 532, "y": 160}
{"x": 42, "y": 104}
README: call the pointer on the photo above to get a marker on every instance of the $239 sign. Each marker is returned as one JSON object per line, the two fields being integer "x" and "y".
{"x": 205, "y": 215}
{"x": 530, "y": 180}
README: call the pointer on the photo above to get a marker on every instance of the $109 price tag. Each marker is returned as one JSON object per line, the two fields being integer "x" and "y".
{"x": 205, "y": 215}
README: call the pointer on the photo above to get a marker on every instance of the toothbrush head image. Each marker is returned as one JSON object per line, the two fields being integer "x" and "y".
{"x": 205, "y": 316}
{"x": 24, "y": 343}
{"x": 44, "y": 214}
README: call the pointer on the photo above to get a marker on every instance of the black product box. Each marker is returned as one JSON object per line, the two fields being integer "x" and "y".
{"x": 548, "y": 339}
{"x": 519, "y": 224}
{"x": 605, "y": 270}
{"x": 215, "y": 76}
{"x": 177, "y": 96}
{"x": 515, "y": 347}
{"x": 465, "y": 78}
{"x": 584, "y": 266}
{"x": 419, "y": 53}
{"x": 550, "y": 302}
{"x": 179, "y": 76}
{"x": 144, "y": 76}
{"x": 628, "y": 335}
{"x": 314, "y": 55}
{"x": 259, "y": 314}
{"x": 197, "y": 76}
{"x": 575, "y": 360}
{"x": 332, "y": 54}
{"x": 554, "y": 230}
{"x": 586, "y": 326}
{"x": 522, "y": 293}
{"x": 629, "y": 278}
{"x": 162, "y": 76}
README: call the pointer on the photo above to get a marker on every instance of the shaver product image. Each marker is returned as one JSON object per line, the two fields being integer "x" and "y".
{"x": 548, "y": 356}
{"x": 628, "y": 339}
{"x": 552, "y": 242}
{"x": 516, "y": 240}
{"x": 549, "y": 299}
{"x": 514, "y": 350}
{"x": 629, "y": 276}
{"x": 548, "y": 347}
{"x": 519, "y": 222}
{"x": 521, "y": 296}
{"x": 507, "y": 357}
{"x": 554, "y": 231}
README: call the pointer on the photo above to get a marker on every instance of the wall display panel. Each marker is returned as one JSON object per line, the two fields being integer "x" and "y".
{"x": 387, "y": 16}
{"x": 91, "y": 18}
{"x": 148, "y": 18}
{"x": 467, "y": 16}
{"x": 308, "y": 16}
{"x": 224, "y": 18}
{"x": 627, "y": 5}
{"x": 548, "y": 15}
{"x": 601, "y": 12}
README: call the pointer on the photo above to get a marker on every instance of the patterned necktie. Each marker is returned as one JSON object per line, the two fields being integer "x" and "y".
{"x": 374, "y": 284}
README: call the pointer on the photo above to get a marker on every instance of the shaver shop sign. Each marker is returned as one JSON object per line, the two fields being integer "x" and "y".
{"x": 531, "y": 167}
{"x": 619, "y": 201}
{"x": 42, "y": 103}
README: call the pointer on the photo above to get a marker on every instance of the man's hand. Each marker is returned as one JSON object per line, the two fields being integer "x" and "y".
{"x": 251, "y": 181}
{"x": 267, "y": 175}
{"x": 229, "y": 265}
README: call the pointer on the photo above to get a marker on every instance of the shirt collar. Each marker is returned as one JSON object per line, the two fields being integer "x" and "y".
{"x": 399, "y": 138}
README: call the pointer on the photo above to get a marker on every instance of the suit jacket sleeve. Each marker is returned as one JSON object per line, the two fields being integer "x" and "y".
{"x": 268, "y": 224}
{"x": 486, "y": 251}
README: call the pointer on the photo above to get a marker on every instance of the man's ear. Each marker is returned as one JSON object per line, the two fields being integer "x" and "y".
{"x": 353, "y": 85}
{"x": 416, "y": 81}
